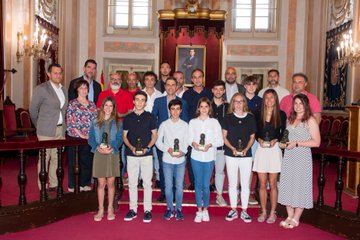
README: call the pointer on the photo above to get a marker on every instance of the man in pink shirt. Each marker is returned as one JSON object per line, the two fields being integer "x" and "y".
{"x": 299, "y": 84}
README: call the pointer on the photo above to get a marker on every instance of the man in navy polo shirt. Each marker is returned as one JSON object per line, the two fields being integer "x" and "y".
{"x": 192, "y": 97}
{"x": 139, "y": 136}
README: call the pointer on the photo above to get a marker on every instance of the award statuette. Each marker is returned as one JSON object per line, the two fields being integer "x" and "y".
{"x": 202, "y": 141}
{"x": 138, "y": 146}
{"x": 176, "y": 151}
{"x": 239, "y": 148}
{"x": 266, "y": 142}
{"x": 104, "y": 141}
{"x": 284, "y": 139}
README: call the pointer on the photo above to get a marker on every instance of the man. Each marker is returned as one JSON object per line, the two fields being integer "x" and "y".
{"x": 189, "y": 65}
{"x": 161, "y": 113}
{"x": 192, "y": 97}
{"x": 220, "y": 108}
{"x": 89, "y": 74}
{"x": 180, "y": 88}
{"x": 273, "y": 83}
{"x": 139, "y": 136}
{"x": 165, "y": 70}
{"x": 300, "y": 81}
{"x": 152, "y": 94}
{"x": 47, "y": 112}
{"x": 122, "y": 98}
{"x": 132, "y": 81}
{"x": 173, "y": 142}
{"x": 231, "y": 86}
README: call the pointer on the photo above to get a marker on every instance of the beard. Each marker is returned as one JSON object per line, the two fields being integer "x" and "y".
{"x": 115, "y": 86}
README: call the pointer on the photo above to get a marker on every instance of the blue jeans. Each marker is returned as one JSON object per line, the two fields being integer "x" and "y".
{"x": 202, "y": 174}
{"x": 174, "y": 172}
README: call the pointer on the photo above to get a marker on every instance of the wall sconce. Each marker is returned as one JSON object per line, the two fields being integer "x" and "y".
{"x": 39, "y": 48}
{"x": 348, "y": 51}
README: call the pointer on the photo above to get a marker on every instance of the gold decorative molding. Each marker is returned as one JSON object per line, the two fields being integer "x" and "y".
{"x": 340, "y": 12}
{"x": 183, "y": 13}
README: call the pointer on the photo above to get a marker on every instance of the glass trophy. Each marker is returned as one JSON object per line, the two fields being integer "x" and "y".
{"x": 138, "y": 146}
{"x": 266, "y": 141}
{"x": 176, "y": 151}
{"x": 202, "y": 141}
{"x": 284, "y": 140}
{"x": 239, "y": 148}
{"x": 104, "y": 141}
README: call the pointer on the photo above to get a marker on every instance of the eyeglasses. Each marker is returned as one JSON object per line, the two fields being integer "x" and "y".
{"x": 115, "y": 79}
{"x": 241, "y": 101}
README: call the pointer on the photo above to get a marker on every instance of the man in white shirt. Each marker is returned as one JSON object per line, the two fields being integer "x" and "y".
{"x": 150, "y": 90}
{"x": 47, "y": 111}
{"x": 273, "y": 83}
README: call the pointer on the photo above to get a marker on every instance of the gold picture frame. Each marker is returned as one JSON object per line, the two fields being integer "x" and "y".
{"x": 188, "y": 58}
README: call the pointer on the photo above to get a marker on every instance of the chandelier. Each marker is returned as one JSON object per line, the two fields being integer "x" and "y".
{"x": 348, "y": 51}
{"x": 38, "y": 48}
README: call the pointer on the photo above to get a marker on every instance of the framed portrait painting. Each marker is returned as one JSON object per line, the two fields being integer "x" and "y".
{"x": 188, "y": 58}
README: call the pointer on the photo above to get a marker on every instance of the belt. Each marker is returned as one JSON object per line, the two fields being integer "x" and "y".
{"x": 59, "y": 125}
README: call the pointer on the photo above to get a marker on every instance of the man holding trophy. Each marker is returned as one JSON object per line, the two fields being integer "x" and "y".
{"x": 139, "y": 136}
{"x": 172, "y": 141}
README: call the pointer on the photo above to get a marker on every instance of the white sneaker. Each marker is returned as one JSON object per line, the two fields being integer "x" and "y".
{"x": 85, "y": 189}
{"x": 198, "y": 217}
{"x": 221, "y": 201}
{"x": 70, "y": 189}
{"x": 245, "y": 217}
{"x": 205, "y": 216}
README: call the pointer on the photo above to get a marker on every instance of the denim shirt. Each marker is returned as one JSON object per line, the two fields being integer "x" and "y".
{"x": 115, "y": 136}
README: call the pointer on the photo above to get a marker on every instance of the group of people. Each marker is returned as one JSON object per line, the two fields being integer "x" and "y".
{"x": 165, "y": 127}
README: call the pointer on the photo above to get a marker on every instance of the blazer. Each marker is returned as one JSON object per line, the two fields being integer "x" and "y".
{"x": 45, "y": 109}
{"x": 160, "y": 110}
{"x": 73, "y": 93}
{"x": 241, "y": 89}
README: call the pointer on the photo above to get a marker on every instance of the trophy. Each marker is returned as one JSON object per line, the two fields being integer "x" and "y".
{"x": 239, "y": 148}
{"x": 176, "y": 151}
{"x": 104, "y": 141}
{"x": 284, "y": 139}
{"x": 138, "y": 146}
{"x": 202, "y": 141}
{"x": 266, "y": 142}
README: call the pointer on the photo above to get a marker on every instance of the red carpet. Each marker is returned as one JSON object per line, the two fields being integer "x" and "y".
{"x": 83, "y": 227}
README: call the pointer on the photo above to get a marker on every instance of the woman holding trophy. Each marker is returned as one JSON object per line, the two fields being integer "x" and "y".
{"x": 105, "y": 139}
{"x": 239, "y": 130}
{"x": 271, "y": 123}
{"x": 204, "y": 137}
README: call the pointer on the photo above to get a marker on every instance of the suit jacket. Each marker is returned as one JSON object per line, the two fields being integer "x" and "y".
{"x": 73, "y": 93}
{"x": 45, "y": 109}
{"x": 241, "y": 89}
{"x": 160, "y": 110}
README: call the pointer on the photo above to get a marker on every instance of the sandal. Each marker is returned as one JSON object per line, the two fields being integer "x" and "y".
{"x": 272, "y": 218}
{"x": 292, "y": 224}
{"x": 261, "y": 217}
{"x": 285, "y": 222}
{"x": 111, "y": 215}
{"x": 98, "y": 217}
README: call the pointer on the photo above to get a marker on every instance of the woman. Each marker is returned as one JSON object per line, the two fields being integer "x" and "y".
{"x": 239, "y": 134}
{"x": 105, "y": 138}
{"x": 79, "y": 115}
{"x": 271, "y": 124}
{"x": 295, "y": 189}
{"x": 204, "y": 137}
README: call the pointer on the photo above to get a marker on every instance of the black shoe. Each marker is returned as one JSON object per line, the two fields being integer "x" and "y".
{"x": 147, "y": 217}
{"x": 157, "y": 184}
{"x": 212, "y": 188}
{"x": 191, "y": 187}
{"x": 161, "y": 198}
{"x": 130, "y": 216}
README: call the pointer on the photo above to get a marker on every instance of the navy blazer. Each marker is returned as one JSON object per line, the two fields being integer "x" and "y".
{"x": 72, "y": 93}
{"x": 160, "y": 110}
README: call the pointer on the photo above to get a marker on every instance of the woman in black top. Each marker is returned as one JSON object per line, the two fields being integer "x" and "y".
{"x": 267, "y": 162}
